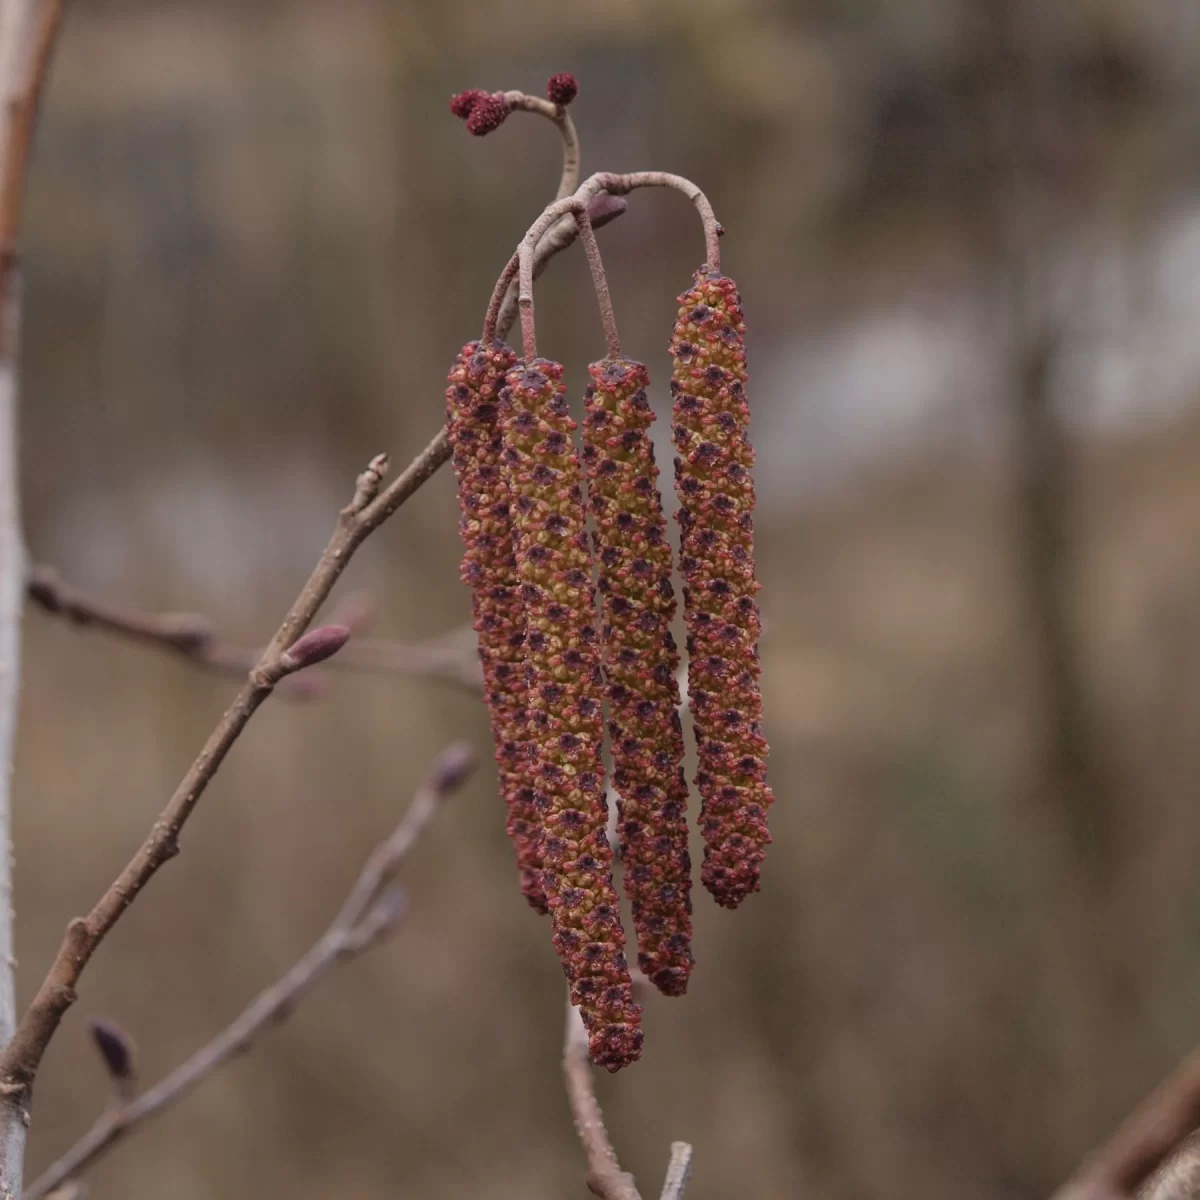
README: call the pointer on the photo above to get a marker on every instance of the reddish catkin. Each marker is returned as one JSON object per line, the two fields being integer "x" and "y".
{"x": 566, "y": 724}
{"x": 489, "y": 568}
{"x": 714, "y": 481}
{"x": 640, "y": 660}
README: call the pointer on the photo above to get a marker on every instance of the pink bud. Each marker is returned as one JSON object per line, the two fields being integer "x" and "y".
{"x": 315, "y": 646}
{"x": 604, "y": 208}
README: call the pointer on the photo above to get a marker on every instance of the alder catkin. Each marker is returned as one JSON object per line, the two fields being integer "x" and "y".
{"x": 640, "y": 661}
{"x": 714, "y": 482}
{"x": 566, "y": 724}
{"x": 489, "y": 568}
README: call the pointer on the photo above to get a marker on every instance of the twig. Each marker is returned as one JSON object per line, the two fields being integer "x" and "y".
{"x": 370, "y": 911}
{"x": 1163, "y": 1120}
{"x": 523, "y": 102}
{"x": 523, "y": 264}
{"x": 587, "y": 235}
{"x": 605, "y": 1177}
{"x": 365, "y": 513}
{"x": 679, "y": 1171}
{"x": 195, "y": 637}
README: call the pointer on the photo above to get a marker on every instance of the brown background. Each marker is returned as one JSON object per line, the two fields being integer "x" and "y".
{"x": 256, "y": 239}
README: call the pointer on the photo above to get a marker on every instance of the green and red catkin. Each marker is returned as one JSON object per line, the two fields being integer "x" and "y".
{"x": 489, "y": 568}
{"x": 714, "y": 482}
{"x": 565, "y": 692}
{"x": 640, "y": 661}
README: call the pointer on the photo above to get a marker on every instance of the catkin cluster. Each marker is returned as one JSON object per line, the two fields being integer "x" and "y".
{"x": 715, "y": 484}
{"x": 553, "y": 661}
{"x": 640, "y": 661}
{"x": 489, "y": 568}
{"x": 564, "y": 699}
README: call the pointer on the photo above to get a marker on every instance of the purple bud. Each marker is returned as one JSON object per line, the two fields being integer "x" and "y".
{"x": 604, "y": 208}
{"x": 115, "y": 1048}
{"x": 315, "y": 646}
{"x": 453, "y": 768}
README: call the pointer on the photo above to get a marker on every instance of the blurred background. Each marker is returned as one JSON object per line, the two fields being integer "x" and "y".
{"x": 967, "y": 233}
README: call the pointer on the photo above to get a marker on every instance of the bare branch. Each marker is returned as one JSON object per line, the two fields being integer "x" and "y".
{"x": 1164, "y": 1120}
{"x": 194, "y": 637}
{"x": 370, "y": 911}
{"x": 679, "y": 1171}
{"x": 368, "y": 509}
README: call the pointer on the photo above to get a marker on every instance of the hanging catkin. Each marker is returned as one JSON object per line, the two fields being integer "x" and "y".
{"x": 565, "y": 690}
{"x": 714, "y": 482}
{"x": 489, "y": 568}
{"x": 640, "y": 661}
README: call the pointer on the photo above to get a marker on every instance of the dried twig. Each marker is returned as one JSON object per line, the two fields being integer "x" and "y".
{"x": 451, "y": 657}
{"x": 679, "y": 1171}
{"x": 370, "y": 911}
{"x": 1163, "y": 1121}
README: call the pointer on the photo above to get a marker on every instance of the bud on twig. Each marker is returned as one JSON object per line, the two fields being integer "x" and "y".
{"x": 116, "y": 1049}
{"x": 315, "y": 646}
{"x": 605, "y": 208}
{"x": 453, "y": 768}
{"x": 463, "y": 103}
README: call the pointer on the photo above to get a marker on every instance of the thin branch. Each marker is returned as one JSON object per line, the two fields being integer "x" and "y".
{"x": 369, "y": 912}
{"x": 587, "y": 235}
{"x": 679, "y": 1171}
{"x": 605, "y": 1177}
{"x": 522, "y": 265}
{"x": 1159, "y": 1125}
{"x": 522, "y": 102}
{"x": 194, "y": 637}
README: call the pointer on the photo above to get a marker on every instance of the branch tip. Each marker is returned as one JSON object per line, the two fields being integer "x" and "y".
{"x": 562, "y": 88}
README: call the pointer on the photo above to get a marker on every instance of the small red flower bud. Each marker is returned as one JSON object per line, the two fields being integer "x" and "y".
{"x": 640, "y": 661}
{"x": 714, "y": 480}
{"x": 490, "y": 569}
{"x": 562, "y": 88}
{"x": 462, "y": 104}
{"x": 566, "y": 726}
{"x": 487, "y": 113}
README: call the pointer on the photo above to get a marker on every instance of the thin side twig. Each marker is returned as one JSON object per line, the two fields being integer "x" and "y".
{"x": 679, "y": 1171}
{"x": 369, "y": 912}
{"x": 367, "y": 510}
{"x": 1161, "y": 1123}
{"x": 194, "y": 637}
